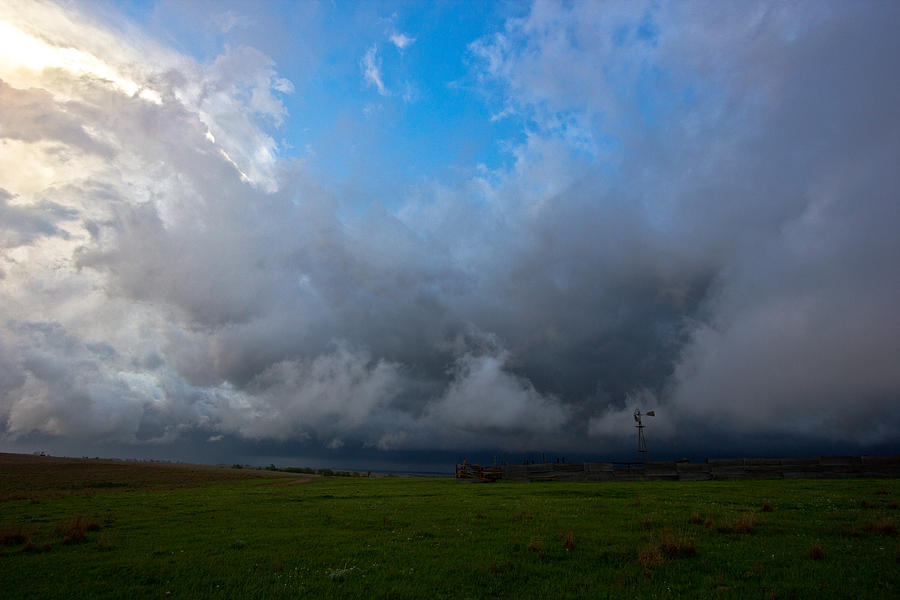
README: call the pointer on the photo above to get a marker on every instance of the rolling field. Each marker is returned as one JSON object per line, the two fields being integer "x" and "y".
{"x": 95, "y": 529}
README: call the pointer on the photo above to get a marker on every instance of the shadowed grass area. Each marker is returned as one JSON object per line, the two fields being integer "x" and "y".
{"x": 436, "y": 538}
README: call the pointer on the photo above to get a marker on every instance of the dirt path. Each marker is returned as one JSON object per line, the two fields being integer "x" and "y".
{"x": 296, "y": 481}
{"x": 291, "y": 482}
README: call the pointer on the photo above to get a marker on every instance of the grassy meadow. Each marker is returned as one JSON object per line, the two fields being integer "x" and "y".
{"x": 97, "y": 529}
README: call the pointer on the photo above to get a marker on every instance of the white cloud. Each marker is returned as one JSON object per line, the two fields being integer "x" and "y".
{"x": 485, "y": 397}
{"x": 334, "y": 392}
{"x": 371, "y": 66}
{"x": 410, "y": 92}
{"x": 230, "y": 20}
{"x": 401, "y": 41}
{"x": 370, "y": 109}
{"x": 391, "y": 441}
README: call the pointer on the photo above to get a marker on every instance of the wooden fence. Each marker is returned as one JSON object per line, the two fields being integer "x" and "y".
{"x": 815, "y": 467}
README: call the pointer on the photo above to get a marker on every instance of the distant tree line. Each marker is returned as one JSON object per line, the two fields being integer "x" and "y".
{"x": 311, "y": 471}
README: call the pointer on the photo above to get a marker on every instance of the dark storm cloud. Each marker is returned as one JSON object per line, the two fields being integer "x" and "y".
{"x": 765, "y": 206}
{"x": 732, "y": 259}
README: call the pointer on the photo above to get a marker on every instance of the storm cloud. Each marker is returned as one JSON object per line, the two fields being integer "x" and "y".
{"x": 699, "y": 215}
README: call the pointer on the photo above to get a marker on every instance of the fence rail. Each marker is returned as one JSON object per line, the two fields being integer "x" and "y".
{"x": 813, "y": 467}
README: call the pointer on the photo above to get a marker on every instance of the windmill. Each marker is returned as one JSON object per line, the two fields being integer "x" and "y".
{"x": 642, "y": 441}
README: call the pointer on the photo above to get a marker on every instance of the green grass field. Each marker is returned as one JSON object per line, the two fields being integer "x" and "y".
{"x": 102, "y": 530}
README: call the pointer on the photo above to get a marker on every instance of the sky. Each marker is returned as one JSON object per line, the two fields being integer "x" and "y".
{"x": 390, "y": 235}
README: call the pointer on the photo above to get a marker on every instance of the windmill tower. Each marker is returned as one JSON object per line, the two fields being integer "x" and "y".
{"x": 642, "y": 441}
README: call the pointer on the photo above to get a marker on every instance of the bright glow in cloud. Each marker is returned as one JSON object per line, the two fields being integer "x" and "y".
{"x": 18, "y": 50}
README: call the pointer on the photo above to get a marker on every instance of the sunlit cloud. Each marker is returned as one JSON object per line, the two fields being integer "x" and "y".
{"x": 21, "y": 51}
